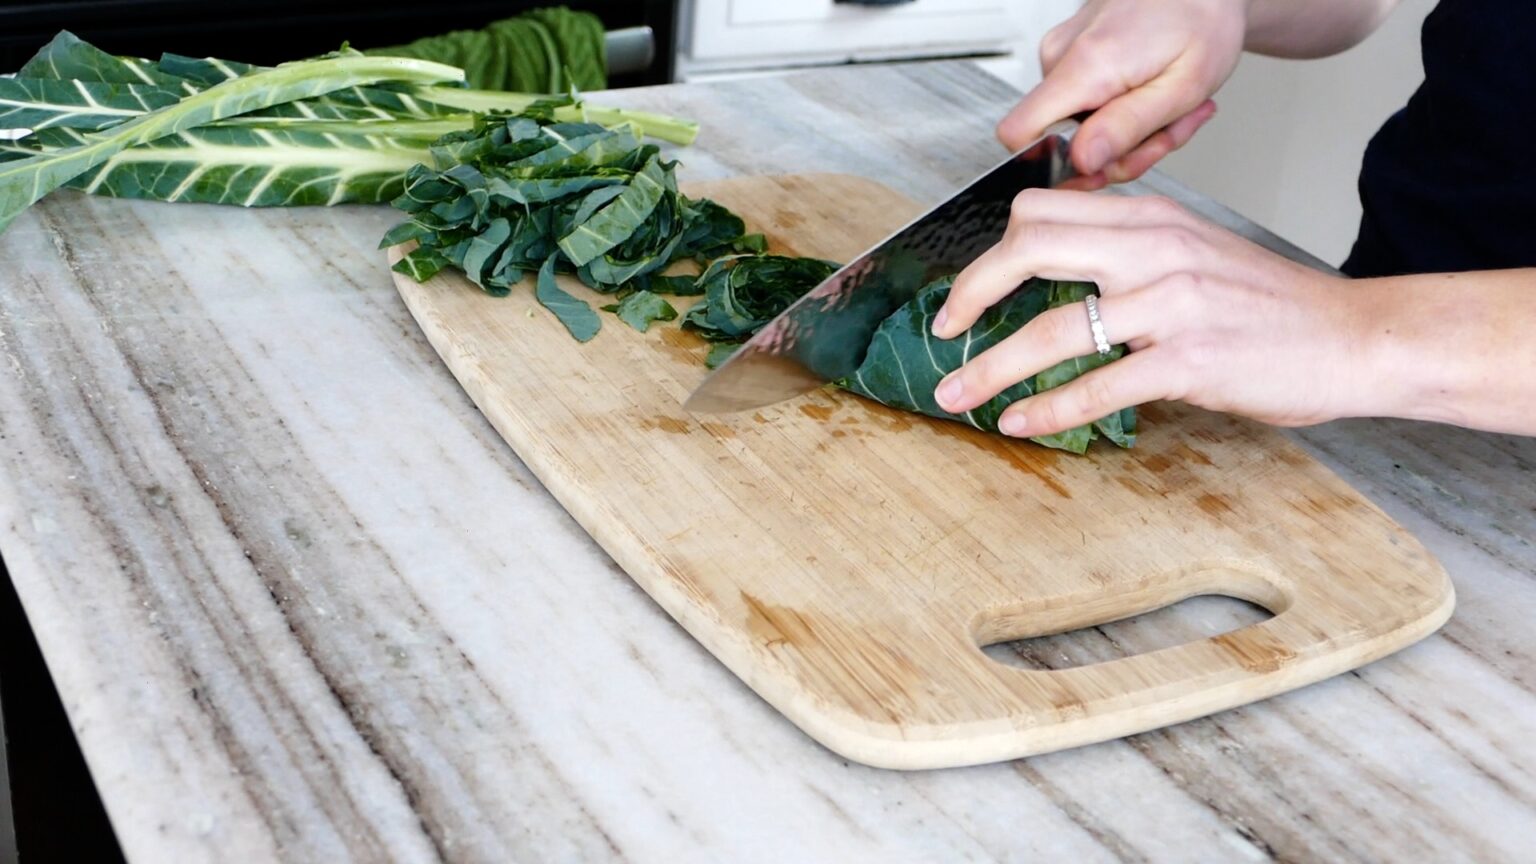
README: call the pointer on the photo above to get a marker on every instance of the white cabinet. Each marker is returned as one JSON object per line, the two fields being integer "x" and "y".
{"x": 754, "y": 34}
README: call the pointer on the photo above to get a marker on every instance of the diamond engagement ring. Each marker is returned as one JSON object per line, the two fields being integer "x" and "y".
{"x": 1096, "y": 324}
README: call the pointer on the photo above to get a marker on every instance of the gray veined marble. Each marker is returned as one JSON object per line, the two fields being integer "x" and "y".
{"x": 303, "y": 604}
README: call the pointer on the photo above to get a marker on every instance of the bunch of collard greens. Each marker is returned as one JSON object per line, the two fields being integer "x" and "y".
{"x": 556, "y": 187}
{"x": 343, "y": 128}
{"x": 527, "y": 194}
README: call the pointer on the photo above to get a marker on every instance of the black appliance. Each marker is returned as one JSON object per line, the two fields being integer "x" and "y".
{"x": 272, "y": 31}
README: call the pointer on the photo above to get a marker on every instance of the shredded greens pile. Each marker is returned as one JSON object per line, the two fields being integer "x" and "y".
{"x": 529, "y": 194}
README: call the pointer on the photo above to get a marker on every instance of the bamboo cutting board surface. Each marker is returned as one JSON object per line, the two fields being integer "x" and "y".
{"x": 848, "y": 561}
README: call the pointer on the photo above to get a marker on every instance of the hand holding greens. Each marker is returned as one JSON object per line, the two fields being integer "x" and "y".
{"x": 906, "y": 361}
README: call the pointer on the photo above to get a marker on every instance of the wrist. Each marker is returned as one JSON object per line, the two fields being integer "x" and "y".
{"x": 1398, "y": 324}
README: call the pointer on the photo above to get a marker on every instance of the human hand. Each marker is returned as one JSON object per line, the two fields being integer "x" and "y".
{"x": 1211, "y": 319}
{"x": 1148, "y": 69}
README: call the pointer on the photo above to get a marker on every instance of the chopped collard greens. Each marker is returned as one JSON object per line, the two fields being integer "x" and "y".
{"x": 526, "y": 193}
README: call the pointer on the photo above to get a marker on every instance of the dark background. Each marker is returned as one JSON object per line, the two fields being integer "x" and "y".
{"x": 272, "y": 31}
{"x": 57, "y": 815}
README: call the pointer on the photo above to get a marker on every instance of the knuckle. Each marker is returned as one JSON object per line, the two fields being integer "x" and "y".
{"x": 1094, "y": 397}
{"x": 1184, "y": 295}
{"x": 978, "y": 373}
{"x": 1024, "y": 236}
{"x": 1053, "y": 414}
{"x": 960, "y": 292}
{"x": 1094, "y": 45}
{"x": 1053, "y": 45}
{"x": 1196, "y": 357}
{"x": 1182, "y": 242}
{"x": 1026, "y": 203}
{"x": 1056, "y": 330}
{"x": 1161, "y": 207}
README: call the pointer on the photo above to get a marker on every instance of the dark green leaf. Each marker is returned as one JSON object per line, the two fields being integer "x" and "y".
{"x": 617, "y": 220}
{"x": 247, "y": 166}
{"x": 719, "y": 353}
{"x": 641, "y": 308}
{"x": 67, "y": 58}
{"x": 421, "y": 264}
{"x": 744, "y": 292}
{"x": 403, "y": 233}
{"x": 41, "y": 103}
{"x": 677, "y": 286}
{"x": 574, "y": 313}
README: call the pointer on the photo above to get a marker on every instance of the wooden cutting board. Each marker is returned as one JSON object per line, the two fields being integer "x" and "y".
{"x": 848, "y": 561}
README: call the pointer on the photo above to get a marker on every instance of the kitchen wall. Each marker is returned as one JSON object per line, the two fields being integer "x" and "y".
{"x": 1284, "y": 148}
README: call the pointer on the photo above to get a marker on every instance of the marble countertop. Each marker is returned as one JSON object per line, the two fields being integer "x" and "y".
{"x": 301, "y": 602}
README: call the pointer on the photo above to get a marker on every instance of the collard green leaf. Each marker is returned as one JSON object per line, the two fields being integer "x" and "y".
{"x": 574, "y": 313}
{"x": 905, "y": 362}
{"x": 617, "y": 220}
{"x": 618, "y": 237}
{"x": 719, "y": 353}
{"x": 678, "y": 286}
{"x": 68, "y": 58}
{"x": 744, "y": 292}
{"x": 41, "y": 103}
{"x": 484, "y": 251}
{"x": 24, "y": 181}
{"x": 384, "y": 101}
{"x": 714, "y": 231}
{"x": 641, "y": 309}
{"x": 404, "y": 233}
{"x": 249, "y": 166}
{"x": 421, "y": 264}
{"x": 204, "y": 71}
{"x": 660, "y": 126}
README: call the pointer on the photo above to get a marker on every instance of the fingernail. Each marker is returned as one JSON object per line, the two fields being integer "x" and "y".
{"x": 949, "y": 391}
{"x": 1098, "y": 156}
{"x": 1012, "y": 424}
{"x": 940, "y": 320}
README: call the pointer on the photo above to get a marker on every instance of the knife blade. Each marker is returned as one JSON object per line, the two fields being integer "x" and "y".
{"x": 823, "y": 336}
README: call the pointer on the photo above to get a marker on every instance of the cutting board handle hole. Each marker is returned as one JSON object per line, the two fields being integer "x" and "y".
{"x": 1191, "y": 604}
{"x": 1189, "y": 620}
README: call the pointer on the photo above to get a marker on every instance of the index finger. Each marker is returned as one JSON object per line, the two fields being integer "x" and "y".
{"x": 1072, "y": 86}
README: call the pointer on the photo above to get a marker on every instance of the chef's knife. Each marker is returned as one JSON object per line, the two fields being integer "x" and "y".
{"x": 823, "y": 336}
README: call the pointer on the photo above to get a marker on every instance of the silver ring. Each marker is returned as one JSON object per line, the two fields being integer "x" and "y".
{"x": 1096, "y": 324}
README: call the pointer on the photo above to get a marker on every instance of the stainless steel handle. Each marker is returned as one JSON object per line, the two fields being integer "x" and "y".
{"x": 630, "y": 49}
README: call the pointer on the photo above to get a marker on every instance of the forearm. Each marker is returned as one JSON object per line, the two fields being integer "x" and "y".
{"x": 1311, "y": 28}
{"x": 1452, "y": 348}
